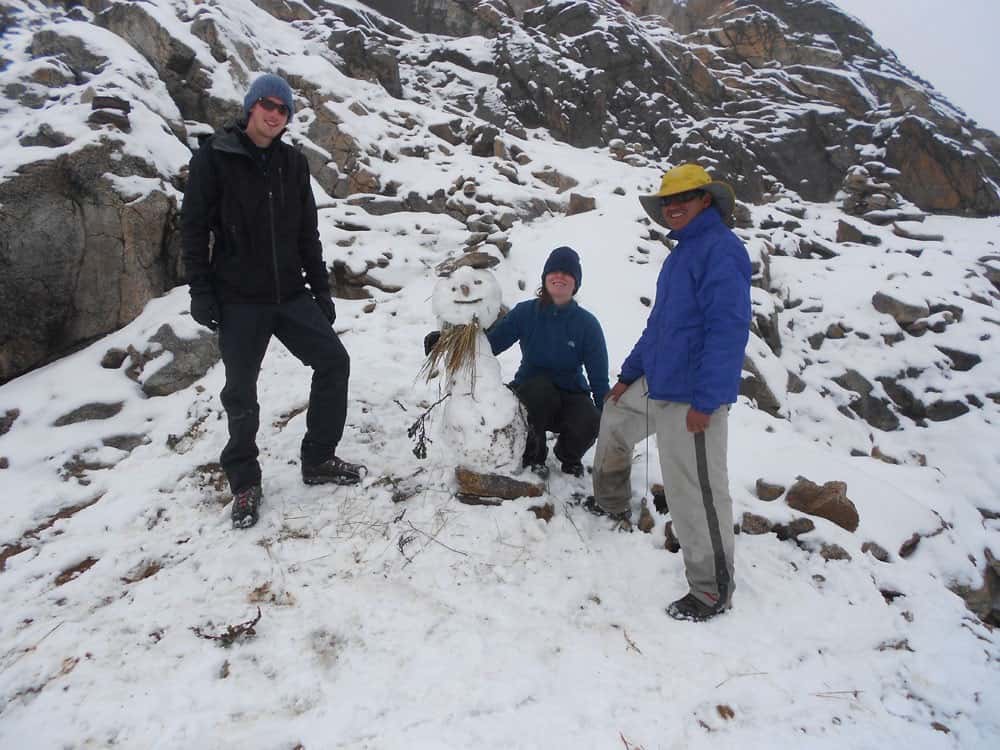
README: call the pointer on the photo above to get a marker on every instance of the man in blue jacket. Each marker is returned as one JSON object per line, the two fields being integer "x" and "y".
{"x": 678, "y": 383}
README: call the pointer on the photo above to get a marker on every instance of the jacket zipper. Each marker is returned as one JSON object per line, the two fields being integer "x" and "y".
{"x": 274, "y": 243}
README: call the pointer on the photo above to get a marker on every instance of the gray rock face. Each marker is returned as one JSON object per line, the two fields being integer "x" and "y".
{"x": 80, "y": 259}
{"x": 779, "y": 96}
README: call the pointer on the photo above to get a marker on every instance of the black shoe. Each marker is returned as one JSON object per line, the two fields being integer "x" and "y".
{"x": 693, "y": 609}
{"x": 245, "y": 505}
{"x": 623, "y": 519}
{"x": 574, "y": 468}
{"x": 333, "y": 471}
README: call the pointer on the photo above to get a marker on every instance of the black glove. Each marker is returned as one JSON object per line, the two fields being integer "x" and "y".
{"x": 430, "y": 340}
{"x": 205, "y": 310}
{"x": 326, "y": 307}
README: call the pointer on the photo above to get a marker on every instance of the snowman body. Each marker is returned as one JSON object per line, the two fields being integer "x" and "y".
{"x": 483, "y": 424}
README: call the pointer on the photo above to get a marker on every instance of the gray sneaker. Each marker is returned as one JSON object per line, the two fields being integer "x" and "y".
{"x": 693, "y": 609}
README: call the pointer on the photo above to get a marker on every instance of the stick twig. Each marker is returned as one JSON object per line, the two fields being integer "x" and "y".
{"x": 434, "y": 538}
{"x": 36, "y": 644}
{"x": 739, "y": 674}
{"x": 631, "y": 644}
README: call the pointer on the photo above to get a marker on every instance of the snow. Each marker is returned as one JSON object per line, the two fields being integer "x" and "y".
{"x": 431, "y": 624}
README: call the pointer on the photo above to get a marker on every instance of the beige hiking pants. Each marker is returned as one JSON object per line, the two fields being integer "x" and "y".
{"x": 695, "y": 479}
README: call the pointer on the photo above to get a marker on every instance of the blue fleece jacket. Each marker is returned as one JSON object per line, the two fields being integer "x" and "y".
{"x": 692, "y": 348}
{"x": 557, "y": 342}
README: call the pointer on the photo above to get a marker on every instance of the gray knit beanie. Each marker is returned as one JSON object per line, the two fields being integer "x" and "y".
{"x": 269, "y": 85}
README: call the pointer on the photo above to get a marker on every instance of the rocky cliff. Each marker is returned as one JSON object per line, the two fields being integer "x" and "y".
{"x": 789, "y": 98}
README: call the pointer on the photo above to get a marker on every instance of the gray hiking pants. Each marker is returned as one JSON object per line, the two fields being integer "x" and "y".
{"x": 695, "y": 480}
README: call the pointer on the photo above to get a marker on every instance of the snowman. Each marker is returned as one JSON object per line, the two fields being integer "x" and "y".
{"x": 483, "y": 422}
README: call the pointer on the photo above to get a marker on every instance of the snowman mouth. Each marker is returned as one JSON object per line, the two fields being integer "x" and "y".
{"x": 468, "y": 301}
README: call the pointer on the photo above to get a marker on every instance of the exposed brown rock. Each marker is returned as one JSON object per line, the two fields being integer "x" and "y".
{"x": 475, "y": 259}
{"x": 876, "y": 551}
{"x": 543, "y": 512}
{"x": 579, "y": 204}
{"x": 645, "y": 522}
{"x": 8, "y": 419}
{"x": 767, "y": 491}
{"x": 475, "y": 484}
{"x": 833, "y": 552}
{"x": 754, "y": 524}
{"x": 829, "y": 501}
{"x": 793, "y": 528}
{"x": 670, "y": 543}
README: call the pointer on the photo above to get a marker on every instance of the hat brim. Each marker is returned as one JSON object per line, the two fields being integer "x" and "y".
{"x": 722, "y": 194}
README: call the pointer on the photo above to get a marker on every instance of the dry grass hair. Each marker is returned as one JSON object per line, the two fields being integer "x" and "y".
{"x": 454, "y": 351}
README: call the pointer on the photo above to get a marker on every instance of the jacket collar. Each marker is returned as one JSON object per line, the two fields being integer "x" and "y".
{"x": 234, "y": 140}
{"x": 705, "y": 220}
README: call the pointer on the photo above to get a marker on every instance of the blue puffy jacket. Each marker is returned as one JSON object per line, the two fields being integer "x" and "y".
{"x": 557, "y": 342}
{"x": 692, "y": 348}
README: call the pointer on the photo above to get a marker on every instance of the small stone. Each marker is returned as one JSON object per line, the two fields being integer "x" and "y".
{"x": 793, "y": 529}
{"x": 908, "y": 547}
{"x": 113, "y": 358}
{"x": 768, "y": 492}
{"x": 876, "y": 551}
{"x": 89, "y": 412}
{"x": 543, "y": 512}
{"x": 645, "y": 522}
{"x": 670, "y": 543}
{"x": 754, "y": 525}
{"x": 834, "y": 552}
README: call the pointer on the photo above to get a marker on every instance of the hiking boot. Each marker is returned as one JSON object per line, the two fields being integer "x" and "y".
{"x": 245, "y": 505}
{"x": 692, "y": 609}
{"x": 573, "y": 468}
{"x": 623, "y": 519}
{"x": 333, "y": 471}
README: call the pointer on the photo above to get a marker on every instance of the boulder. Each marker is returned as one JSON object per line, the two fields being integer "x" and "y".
{"x": 904, "y": 313}
{"x": 828, "y": 501}
{"x": 80, "y": 258}
{"x": 937, "y": 174}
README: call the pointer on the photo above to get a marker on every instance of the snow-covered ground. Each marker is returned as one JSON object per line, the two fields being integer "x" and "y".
{"x": 432, "y": 624}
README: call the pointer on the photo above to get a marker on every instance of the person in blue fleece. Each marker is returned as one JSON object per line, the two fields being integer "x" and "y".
{"x": 558, "y": 340}
{"x": 678, "y": 383}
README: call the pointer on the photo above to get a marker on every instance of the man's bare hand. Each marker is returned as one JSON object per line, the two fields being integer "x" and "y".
{"x": 697, "y": 421}
{"x": 616, "y": 392}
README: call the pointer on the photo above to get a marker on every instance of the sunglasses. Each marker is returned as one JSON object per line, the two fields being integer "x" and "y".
{"x": 270, "y": 106}
{"x": 684, "y": 197}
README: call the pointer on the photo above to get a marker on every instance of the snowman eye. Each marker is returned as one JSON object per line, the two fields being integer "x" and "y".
{"x": 479, "y": 281}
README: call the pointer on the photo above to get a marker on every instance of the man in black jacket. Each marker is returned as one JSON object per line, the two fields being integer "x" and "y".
{"x": 251, "y": 249}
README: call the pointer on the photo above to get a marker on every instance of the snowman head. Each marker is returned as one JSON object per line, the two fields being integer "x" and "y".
{"x": 468, "y": 293}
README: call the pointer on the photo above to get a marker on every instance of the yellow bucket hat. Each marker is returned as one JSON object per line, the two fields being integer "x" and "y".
{"x": 686, "y": 177}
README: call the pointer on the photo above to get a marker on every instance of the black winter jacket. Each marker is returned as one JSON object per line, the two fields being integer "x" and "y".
{"x": 258, "y": 207}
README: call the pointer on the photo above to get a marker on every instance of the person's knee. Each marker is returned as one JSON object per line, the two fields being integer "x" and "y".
{"x": 333, "y": 359}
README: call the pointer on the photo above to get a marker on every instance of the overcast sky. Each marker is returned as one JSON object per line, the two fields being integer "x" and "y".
{"x": 951, "y": 43}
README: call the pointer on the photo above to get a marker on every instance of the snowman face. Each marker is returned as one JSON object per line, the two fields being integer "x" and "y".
{"x": 468, "y": 293}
